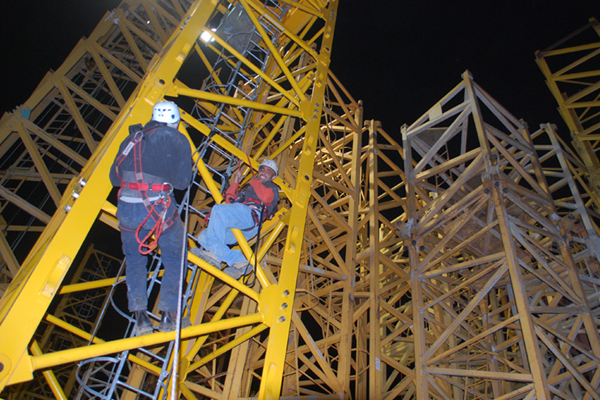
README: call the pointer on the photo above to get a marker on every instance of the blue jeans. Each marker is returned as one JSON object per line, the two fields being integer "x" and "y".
{"x": 219, "y": 235}
{"x": 130, "y": 216}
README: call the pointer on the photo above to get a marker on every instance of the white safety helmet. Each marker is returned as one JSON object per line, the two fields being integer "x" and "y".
{"x": 271, "y": 164}
{"x": 167, "y": 112}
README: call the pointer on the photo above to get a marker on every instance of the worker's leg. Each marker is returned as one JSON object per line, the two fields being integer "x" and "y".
{"x": 171, "y": 242}
{"x": 130, "y": 217}
{"x": 218, "y": 234}
{"x": 235, "y": 256}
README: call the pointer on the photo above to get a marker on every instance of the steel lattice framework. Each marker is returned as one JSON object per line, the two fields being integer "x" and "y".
{"x": 46, "y": 142}
{"x": 459, "y": 263}
{"x": 504, "y": 310}
{"x": 571, "y": 67}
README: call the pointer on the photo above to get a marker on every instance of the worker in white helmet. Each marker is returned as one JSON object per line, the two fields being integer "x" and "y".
{"x": 152, "y": 161}
{"x": 245, "y": 208}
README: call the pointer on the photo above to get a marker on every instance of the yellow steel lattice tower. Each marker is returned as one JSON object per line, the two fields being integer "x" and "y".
{"x": 571, "y": 67}
{"x": 503, "y": 299}
{"x": 264, "y": 97}
{"x": 457, "y": 264}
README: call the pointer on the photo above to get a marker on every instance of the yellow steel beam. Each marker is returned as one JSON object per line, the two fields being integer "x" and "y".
{"x": 377, "y": 367}
{"x": 280, "y": 326}
{"x": 50, "y": 113}
{"x": 223, "y": 349}
{"x": 35, "y": 155}
{"x": 198, "y": 94}
{"x": 253, "y": 68}
{"x": 8, "y": 257}
{"x": 74, "y": 110}
{"x": 49, "y": 375}
{"x": 62, "y": 357}
{"x": 87, "y": 336}
{"x": 297, "y": 41}
{"x": 89, "y": 99}
{"x": 53, "y": 142}
{"x": 351, "y": 250}
{"x": 274, "y": 52}
{"x": 26, "y": 206}
{"x": 576, "y": 94}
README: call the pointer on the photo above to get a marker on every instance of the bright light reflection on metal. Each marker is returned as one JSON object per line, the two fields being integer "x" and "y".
{"x": 206, "y": 36}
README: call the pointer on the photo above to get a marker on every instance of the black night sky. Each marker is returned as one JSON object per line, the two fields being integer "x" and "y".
{"x": 404, "y": 57}
{"x": 399, "y": 57}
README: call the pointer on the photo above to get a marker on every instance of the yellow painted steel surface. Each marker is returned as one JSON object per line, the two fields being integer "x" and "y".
{"x": 501, "y": 295}
{"x": 460, "y": 263}
{"x": 571, "y": 71}
{"x": 296, "y": 39}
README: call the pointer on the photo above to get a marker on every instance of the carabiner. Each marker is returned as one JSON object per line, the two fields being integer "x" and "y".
{"x": 166, "y": 193}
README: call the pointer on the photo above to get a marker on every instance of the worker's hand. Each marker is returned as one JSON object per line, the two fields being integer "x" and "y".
{"x": 237, "y": 176}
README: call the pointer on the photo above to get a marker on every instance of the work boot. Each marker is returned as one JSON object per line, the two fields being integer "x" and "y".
{"x": 207, "y": 256}
{"x": 168, "y": 321}
{"x": 143, "y": 325}
{"x": 239, "y": 269}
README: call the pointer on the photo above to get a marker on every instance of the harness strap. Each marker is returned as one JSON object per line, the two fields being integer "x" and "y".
{"x": 162, "y": 222}
{"x": 158, "y": 187}
{"x": 260, "y": 207}
{"x": 250, "y": 164}
{"x": 256, "y": 217}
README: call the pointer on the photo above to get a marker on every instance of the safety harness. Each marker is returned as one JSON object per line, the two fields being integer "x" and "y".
{"x": 260, "y": 210}
{"x": 161, "y": 221}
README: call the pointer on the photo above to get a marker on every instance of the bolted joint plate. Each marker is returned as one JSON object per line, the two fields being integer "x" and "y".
{"x": 11, "y": 374}
{"x": 268, "y": 303}
{"x": 307, "y": 109}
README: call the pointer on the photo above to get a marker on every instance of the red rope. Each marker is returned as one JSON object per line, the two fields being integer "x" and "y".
{"x": 147, "y": 248}
{"x": 250, "y": 164}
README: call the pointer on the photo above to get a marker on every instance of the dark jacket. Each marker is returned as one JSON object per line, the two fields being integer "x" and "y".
{"x": 166, "y": 156}
{"x": 255, "y": 193}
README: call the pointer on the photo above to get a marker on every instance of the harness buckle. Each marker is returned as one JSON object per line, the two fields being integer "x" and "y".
{"x": 165, "y": 193}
